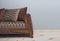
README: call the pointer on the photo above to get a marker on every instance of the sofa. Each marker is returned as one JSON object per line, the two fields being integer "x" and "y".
{"x": 15, "y": 22}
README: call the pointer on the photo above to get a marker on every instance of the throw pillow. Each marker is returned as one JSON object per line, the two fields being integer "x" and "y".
{"x": 22, "y": 13}
{"x": 2, "y": 14}
{"x": 11, "y": 15}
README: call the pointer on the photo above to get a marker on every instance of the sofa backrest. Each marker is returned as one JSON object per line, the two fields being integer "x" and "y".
{"x": 22, "y": 13}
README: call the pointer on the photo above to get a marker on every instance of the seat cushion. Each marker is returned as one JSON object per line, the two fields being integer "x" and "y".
{"x": 12, "y": 25}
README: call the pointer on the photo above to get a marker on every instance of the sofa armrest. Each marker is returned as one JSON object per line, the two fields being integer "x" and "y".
{"x": 28, "y": 23}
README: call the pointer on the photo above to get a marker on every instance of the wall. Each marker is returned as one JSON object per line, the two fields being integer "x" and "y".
{"x": 45, "y": 13}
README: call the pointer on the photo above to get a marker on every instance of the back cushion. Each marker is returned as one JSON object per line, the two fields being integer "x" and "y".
{"x": 22, "y": 13}
{"x": 2, "y": 14}
{"x": 11, "y": 15}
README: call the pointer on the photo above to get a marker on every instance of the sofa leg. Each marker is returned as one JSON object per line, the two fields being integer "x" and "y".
{"x": 31, "y": 35}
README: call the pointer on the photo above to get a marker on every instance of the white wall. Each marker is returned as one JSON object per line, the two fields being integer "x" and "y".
{"x": 45, "y": 13}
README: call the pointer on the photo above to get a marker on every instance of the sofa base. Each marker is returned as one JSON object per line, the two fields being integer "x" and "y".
{"x": 15, "y": 35}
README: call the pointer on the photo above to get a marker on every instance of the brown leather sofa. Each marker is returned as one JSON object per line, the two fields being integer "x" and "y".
{"x": 27, "y": 31}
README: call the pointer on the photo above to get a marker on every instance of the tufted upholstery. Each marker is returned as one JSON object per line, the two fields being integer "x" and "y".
{"x": 13, "y": 25}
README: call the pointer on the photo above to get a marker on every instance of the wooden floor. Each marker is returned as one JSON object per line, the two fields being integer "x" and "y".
{"x": 39, "y": 35}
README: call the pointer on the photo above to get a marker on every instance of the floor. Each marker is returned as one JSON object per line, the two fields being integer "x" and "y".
{"x": 39, "y": 35}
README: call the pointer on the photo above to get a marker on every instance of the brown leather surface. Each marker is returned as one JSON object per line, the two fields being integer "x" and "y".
{"x": 22, "y": 13}
{"x": 28, "y": 30}
{"x": 13, "y": 31}
{"x": 2, "y": 13}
